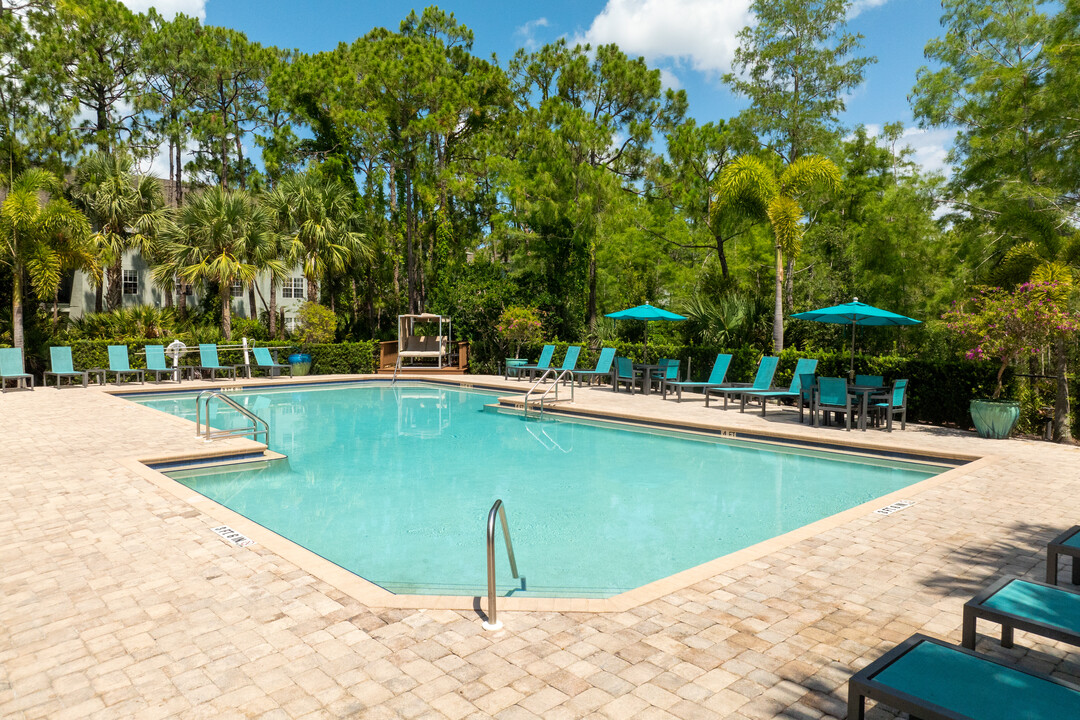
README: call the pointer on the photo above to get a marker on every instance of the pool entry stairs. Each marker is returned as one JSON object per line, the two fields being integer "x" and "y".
{"x": 535, "y": 399}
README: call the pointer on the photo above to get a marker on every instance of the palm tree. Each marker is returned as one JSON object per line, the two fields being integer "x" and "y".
{"x": 748, "y": 189}
{"x": 40, "y": 239}
{"x": 321, "y": 217}
{"x": 216, "y": 233}
{"x": 126, "y": 210}
{"x": 277, "y": 204}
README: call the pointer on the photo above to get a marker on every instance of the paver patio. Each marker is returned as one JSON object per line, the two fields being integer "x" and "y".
{"x": 116, "y": 600}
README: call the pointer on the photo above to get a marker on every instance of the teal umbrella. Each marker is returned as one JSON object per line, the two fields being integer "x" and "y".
{"x": 855, "y": 313}
{"x": 645, "y": 312}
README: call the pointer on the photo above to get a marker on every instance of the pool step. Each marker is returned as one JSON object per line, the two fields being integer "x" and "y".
{"x": 212, "y": 460}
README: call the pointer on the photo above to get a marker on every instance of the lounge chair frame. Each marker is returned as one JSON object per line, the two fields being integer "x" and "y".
{"x": 214, "y": 369}
{"x": 847, "y": 408}
{"x": 588, "y": 375}
{"x": 119, "y": 372}
{"x": 802, "y": 367}
{"x": 21, "y": 378}
{"x": 542, "y": 363}
{"x": 863, "y": 686}
{"x": 1058, "y": 546}
{"x": 976, "y": 609}
{"x": 273, "y": 369}
{"x": 703, "y": 386}
{"x": 631, "y": 379}
{"x": 71, "y": 374}
{"x": 733, "y": 389}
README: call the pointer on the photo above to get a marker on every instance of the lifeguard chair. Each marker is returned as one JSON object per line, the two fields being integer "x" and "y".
{"x": 423, "y": 347}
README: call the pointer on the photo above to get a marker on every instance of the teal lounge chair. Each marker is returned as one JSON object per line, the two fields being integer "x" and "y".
{"x": 119, "y": 365}
{"x": 156, "y": 363}
{"x": 805, "y": 366}
{"x": 933, "y": 680}
{"x": 762, "y": 381}
{"x": 569, "y": 363}
{"x": 263, "y": 361}
{"x": 542, "y": 364}
{"x": 807, "y": 388}
{"x": 603, "y": 367}
{"x": 208, "y": 360}
{"x": 895, "y": 402}
{"x": 716, "y": 378}
{"x": 1034, "y": 607}
{"x": 61, "y": 367}
{"x": 625, "y": 373}
{"x": 11, "y": 368}
{"x": 832, "y": 396}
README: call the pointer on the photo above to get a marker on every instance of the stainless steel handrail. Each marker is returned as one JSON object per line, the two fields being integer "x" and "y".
{"x": 209, "y": 435}
{"x": 492, "y": 623}
{"x": 555, "y": 386}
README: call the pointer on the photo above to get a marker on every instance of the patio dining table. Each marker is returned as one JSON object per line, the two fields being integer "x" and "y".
{"x": 647, "y": 376}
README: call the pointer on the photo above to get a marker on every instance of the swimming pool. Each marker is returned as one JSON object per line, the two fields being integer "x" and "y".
{"x": 394, "y": 483}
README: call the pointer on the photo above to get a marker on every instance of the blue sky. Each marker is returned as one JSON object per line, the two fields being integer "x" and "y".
{"x": 690, "y": 40}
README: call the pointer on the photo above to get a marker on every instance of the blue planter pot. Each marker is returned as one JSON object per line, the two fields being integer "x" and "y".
{"x": 301, "y": 363}
{"x": 995, "y": 419}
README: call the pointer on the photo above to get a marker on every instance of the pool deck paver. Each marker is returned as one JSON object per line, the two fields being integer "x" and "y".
{"x": 116, "y": 600}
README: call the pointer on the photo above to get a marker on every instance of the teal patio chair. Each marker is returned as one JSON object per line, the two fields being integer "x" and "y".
{"x": 570, "y": 361}
{"x": 928, "y": 678}
{"x": 156, "y": 363}
{"x": 1017, "y": 604}
{"x": 119, "y": 366}
{"x": 264, "y": 362}
{"x": 870, "y": 380}
{"x": 716, "y": 378}
{"x": 208, "y": 360}
{"x": 894, "y": 402}
{"x": 805, "y": 366}
{"x": 542, "y": 364}
{"x": 603, "y": 367}
{"x": 61, "y": 366}
{"x": 832, "y": 396}
{"x": 667, "y": 371}
{"x": 762, "y": 381}
{"x": 625, "y": 373}
{"x": 11, "y": 368}
{"x": 807, "y": 388}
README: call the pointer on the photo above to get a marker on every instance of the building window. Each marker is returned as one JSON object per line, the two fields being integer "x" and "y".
{"x": 181, "y": 287}
{"x": 237, "y": 289}
{"x": 131, "y": 282}
{"x": 293, "y": 289}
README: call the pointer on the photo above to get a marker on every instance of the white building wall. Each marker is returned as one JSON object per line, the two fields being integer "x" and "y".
{"x": 83, "y": 293}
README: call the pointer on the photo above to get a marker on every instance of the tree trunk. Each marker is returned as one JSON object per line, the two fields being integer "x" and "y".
{"x": 168, "y": 298}
{"x": 179, "y": 189}
{"x": 312, "y": 288}
{"x": 56, "y": 307}
{"x": 778, "y": 308}
{"x": 273, "y": 307}
{"x": 789, "y": 284}
{"x": 253, "y": 312}
{"x": 116, "y": 279}
{"x": 226, "y": 311}
{"x": 98, "y": 291}
{"x": 181, "y": 299}
{"x": 1062, "y": 431}
{"x": 16, "y": 306}
{"x": 590, "y": 311}
{"x": 722, "y": 256}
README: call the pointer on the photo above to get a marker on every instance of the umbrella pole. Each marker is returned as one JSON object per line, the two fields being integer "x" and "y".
{"x": 645, "y": 358}
{"x": 851, "y": 370}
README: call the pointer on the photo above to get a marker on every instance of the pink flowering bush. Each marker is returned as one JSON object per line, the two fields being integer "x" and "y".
{"x": 519, "y": 325}
{"x": 1007, "y": 325}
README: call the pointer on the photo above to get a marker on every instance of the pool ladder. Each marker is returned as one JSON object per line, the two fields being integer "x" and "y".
{"x": 559, "y": 377}
{"x": 254, "y": 430}
{"x": 492, "y": 622}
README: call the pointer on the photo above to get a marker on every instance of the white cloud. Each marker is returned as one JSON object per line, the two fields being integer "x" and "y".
{"x": 170, "y": 8}
{"x": 700, "y": 32}
{"x": 930, "y": 146}
{"x": 859, "y": 6}
{"x": 528, "y": 32}
{"x": 669, "y": 79}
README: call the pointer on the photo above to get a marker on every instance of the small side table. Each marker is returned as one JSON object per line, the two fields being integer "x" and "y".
{"x": 513, "y": 367}
{"x": 1068, "y": 544}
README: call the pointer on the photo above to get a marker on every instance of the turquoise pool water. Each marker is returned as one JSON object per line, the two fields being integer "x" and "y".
{"x": 395, "y": 483}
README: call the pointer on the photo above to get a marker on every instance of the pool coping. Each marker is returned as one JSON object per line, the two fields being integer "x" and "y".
{"x": 375, "y": 596}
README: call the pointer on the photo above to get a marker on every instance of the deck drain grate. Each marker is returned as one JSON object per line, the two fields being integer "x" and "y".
{"x": 232, "y": 536}
{"x": 895, "y": 507}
